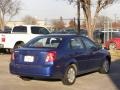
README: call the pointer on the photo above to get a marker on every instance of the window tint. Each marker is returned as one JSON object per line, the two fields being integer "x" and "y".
{"x": 39, "y": 30}
{"x": 76, "y": 43}
{"x": 88, "y": 43}
{"x": 50, "y": 42}
{"x": 20, "y": 29}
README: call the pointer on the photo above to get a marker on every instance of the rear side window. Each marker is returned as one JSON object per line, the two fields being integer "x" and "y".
{"x": 43, "y": 42}
{"x": 20, "y": 29}
{"x": 76, "y": 43}
{"x": 39, "y": 30}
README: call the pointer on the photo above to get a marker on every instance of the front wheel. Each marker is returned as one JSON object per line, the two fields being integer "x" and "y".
{"x": 25, "y": 78}
{"x": 105, "y": 67}
{"x": 70, "y": 75}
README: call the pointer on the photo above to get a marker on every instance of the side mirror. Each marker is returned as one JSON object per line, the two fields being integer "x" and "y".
{"x": 105, "y": 48}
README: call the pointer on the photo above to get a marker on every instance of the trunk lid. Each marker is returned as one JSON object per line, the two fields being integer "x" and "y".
{"x": 31, "y": 56}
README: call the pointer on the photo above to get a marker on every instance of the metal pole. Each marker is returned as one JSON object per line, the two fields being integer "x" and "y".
{"x": 74, "y": 24}
{"x": 78, "y": 16}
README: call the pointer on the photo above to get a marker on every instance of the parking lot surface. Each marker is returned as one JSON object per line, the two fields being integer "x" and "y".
{"x": 92, "y": 81}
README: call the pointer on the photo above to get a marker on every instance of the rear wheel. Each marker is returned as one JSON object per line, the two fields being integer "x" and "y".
{"x": 70, "y": 75}
{"x": 9, "y": 51}
{"x": 18, "y": 45}
{"x": 112, "y": 46}
{"x": 105, "y": 67}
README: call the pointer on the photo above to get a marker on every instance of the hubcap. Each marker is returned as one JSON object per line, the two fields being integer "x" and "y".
{"x": 106, "y": 66}
{"x": 112, "y": 46}
{"x": 71, "y": 75}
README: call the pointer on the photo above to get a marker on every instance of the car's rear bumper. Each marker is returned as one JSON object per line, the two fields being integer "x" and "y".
{"x": 35, "y": 71}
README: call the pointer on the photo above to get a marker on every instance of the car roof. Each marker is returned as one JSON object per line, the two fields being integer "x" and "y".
{"x": 62, "y": 35}
{"x": 30, "y": 26}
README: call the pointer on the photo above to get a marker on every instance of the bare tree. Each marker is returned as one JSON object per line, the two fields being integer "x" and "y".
{"x": 29, "y": 20}
{"x": 102, "y": 21}
{"x": 116, "y": 25}
{"x": 86, "y": 6}
{"x": 58, "y": 24}
{"x": 8, "y": 8}
{"x": 83, "y": 24}
{"x": 72, "y": 24}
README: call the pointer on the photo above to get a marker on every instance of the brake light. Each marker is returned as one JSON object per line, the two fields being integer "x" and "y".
{"x": 51, "y": 56}
{"x": 3, "y": 38}
{"x": 12, "y": 56}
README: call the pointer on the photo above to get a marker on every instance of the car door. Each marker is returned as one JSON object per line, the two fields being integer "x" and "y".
{"x": 79, "y": 54}
{"x": 94, "y": 55}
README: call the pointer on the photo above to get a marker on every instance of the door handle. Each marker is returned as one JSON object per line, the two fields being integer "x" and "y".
{"x": 76, "y": 52}
{"x": 71, "y": 54}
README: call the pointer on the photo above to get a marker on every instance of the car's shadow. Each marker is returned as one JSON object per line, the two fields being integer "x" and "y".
{"x": 3, "y": 52}
{"x": 47, "y": 79}
{"x": 114, "y": 74}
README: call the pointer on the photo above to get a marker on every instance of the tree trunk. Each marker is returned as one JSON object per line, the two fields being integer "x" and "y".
{"x": 89, "y": 28}
{"x": 1, "y": 21}
{"x": 89, "y": 22}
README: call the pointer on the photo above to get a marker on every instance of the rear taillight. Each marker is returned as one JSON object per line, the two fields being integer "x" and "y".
{"x": 51, "y": 56}
{"x": 12, "y": 56}
{"x": 3, "y": 38}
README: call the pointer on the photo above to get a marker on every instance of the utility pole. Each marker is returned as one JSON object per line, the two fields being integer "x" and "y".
{"x": 78, "y": 16}
{"x": 115, "y": 22}
{"x": 74, "y": 24}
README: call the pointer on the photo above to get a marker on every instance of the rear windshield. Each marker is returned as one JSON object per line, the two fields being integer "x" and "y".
{"x": 20, "y": 29}
{"x": 39, "y": 30}
{"x": 44, "y": 42}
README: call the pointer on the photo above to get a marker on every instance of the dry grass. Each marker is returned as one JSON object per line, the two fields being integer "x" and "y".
{"x": 115, "y": 53}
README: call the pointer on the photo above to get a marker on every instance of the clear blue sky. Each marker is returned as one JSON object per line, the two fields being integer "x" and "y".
{"x": 51, "y": 9}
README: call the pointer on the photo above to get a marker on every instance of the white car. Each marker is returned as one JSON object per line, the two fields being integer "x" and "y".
{"x": 20, "y": 35}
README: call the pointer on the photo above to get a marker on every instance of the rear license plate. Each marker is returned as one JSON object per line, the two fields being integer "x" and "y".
{"x": 28, "y": 59}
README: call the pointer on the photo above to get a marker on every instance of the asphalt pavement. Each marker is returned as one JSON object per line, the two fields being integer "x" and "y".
{"x": 92, "y": 81}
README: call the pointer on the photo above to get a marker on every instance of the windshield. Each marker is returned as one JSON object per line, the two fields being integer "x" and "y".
{"x": 44, "y": 42}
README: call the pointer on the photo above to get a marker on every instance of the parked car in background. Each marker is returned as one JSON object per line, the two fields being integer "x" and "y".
{"x": 20, "y": 35}
{"x": 113, "y": 43}
{"x": 110, "y": 39}
{"x": 83, "y": 32}
{"x": 6, "y": 30}
{"x": 59, "y": 57}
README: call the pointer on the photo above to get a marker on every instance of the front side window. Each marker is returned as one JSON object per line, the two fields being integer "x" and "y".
{"x": 39, "y": 30}
{"x": 88, "y": 43}
{"x": 44, "y": 42}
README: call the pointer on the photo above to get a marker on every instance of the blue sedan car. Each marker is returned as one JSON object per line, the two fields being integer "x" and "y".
{"x": 59, "y": 57}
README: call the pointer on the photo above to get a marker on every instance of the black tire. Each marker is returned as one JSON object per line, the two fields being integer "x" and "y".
{"x": 18, "y": 45}
{"x": 9, "y": 51}
{"x": 112, "y": 46}
{"x": 25, "y": 78}
{"x": 70, "y": 75}
{"x": 105, "y": 68}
